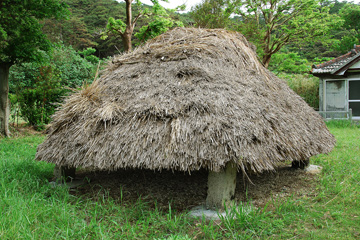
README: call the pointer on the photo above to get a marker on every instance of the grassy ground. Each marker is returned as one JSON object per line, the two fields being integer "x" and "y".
{"x": 31, "y": 209}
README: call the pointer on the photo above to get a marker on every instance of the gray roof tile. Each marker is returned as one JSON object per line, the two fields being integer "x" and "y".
{"x": 334, "y": 65}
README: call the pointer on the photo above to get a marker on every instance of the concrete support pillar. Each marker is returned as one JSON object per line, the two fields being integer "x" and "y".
{"x": 221, "y": 187}
{"x": 302, "y": 164}
{"x": 64, "y": 173}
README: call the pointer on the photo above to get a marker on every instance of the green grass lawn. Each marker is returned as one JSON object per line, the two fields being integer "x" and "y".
{"x": 31, "y": 209}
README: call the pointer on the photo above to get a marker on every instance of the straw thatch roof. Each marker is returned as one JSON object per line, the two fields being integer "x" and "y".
{"x": 188, "y": 99}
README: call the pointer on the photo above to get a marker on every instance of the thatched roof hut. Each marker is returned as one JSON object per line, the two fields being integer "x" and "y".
{"x": 188, "y": 99}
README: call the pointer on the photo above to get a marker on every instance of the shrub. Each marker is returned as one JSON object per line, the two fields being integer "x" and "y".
{"x": 305, "y": 85}
{"x": 73, "y": 69}
{"x": 38, "y": 89}
{"x": 289, "y": 63}
{"x": 38, "y": 101}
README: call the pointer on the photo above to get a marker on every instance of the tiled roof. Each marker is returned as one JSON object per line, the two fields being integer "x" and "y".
{"x": 336, "y": 64}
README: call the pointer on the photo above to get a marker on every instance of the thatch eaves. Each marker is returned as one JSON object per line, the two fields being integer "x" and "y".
{"x": 188, "y": 99}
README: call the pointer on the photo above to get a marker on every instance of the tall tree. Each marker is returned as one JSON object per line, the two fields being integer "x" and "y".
{"x": 21, "y": 39}
{"x": 271, "y": 24}
{"x": 350, "y": 13}
{"x": 160, "y": 23}
{"x": 213, "y": 13}
{"x": 83, "y": 28}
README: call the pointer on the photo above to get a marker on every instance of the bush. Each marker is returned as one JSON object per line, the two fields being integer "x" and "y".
{"x": 305, "y": 85}
{"x": 73, "y": 69}
{"x": 38, "y": 89}
{"x": 38, "y": 103}
{"x": 289, "y": 63}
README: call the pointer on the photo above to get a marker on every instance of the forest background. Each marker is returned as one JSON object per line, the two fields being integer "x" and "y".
{"x": 288, "y": 42}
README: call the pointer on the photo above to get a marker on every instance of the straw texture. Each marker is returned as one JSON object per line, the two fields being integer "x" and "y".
{"x": 188, "y": 99}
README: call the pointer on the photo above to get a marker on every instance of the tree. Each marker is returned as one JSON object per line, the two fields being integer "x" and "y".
{"x": 350, "y": 13}
{"x": 334, "y": 43}
{"x": 38, "y": 88}
{"x": 271, "y": 24}
{"x": 289, "y": 62}
{"x": 20, "y": 39}
{"x": 72, "y": 31}
{"x": 160, "y": 24}
{"x": 335, "y": 8}
{"x": 83, "y": 28}
{"x": 213, "y": 13}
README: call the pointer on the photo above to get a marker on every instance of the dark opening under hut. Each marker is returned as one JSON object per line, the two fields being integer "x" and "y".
{"x": 188, "y": 99}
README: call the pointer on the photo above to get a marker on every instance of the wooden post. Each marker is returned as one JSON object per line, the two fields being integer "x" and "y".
{"x": 221, "y": 187}
{"x": 64, "y": 173}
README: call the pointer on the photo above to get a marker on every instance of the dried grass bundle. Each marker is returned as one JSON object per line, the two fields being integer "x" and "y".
{"x": 188, "y": 99}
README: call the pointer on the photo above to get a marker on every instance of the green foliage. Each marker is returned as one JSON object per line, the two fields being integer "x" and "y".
{"x": 158, "y": 22}
{"x": 350, "y": 35}
{"x": 289, "y": 63}
{"x": 113, "y": 27}
{"x": 72, "y": 31}
{"x": 305, "y": 85}
{"x": 88, "y": 55}
{"x": 336, "y": 6}
{"x": 38, "y": 89}
{"x": 350, "y": 13}
{"x": 347, "y": 41}
{"x": 212, "y": 13}
{"x": 73, "y": 69}
{"x": 158, "y": 26}
{"x": 21, "y": 38}
{"x": 21, "y": 34}
{"x": 270, "y": 25}
{"x": 185, "y": 18}
{"x": 319, "y": 60}
{"x": 38, "y": 102}
{"x": 83, "y": 28}
{"x": 341, "y": 37}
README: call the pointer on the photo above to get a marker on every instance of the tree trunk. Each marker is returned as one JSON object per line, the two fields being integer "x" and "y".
{"x": 4, "y": 100}
{"x": 266, "y": 60}
{"x": 126, "y": 37}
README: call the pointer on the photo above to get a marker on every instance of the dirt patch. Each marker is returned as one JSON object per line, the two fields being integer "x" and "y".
{"x": 186, "y": 191}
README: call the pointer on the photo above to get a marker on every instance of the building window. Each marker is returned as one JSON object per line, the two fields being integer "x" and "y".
{"x": 354, "y": 97}
{"x": 335, "y": 99}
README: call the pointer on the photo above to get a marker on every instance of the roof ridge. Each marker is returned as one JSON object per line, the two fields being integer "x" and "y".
{"x": 337, "y": 59}
{"x": 337, "y": 62}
